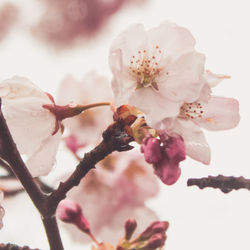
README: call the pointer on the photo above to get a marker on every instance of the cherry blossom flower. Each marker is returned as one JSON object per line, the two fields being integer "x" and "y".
{"x": 30, "y": 124}
{"x": 68, "y": 22}
{"x": 87, "y": 127}
{"x": 157, "y": 71}
{"x": 120, "y": 186}
{"x": 8, "y": 16}
{"x": 209, "y": 112}
{"x": 1, "y": 210}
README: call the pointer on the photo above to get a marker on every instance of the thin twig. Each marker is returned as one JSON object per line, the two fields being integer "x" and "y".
{"x": 224, "y": 183}
{"x": 114, "y": 139}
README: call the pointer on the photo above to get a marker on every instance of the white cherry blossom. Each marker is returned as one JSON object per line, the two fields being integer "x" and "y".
{"x": 156, "y": 70}
{"x": 30, "y": 124}
{"x": 210, "y": 112}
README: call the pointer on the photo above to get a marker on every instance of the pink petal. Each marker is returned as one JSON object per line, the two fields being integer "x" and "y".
{"x": 219, "y": 113}
{"x": 195, "y": 142}
{"x": 42, "y": 161}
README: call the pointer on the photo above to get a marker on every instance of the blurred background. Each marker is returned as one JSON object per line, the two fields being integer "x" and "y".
{"x": 40, "y": 43}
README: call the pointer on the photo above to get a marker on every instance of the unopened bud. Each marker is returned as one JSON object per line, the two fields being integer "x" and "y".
{"x": 130, "y": 227}
{"x": 152, "y": 150}
{"x": 70, "y": 212}
{"x": 156, "y": 241}
{"x": 154, "y": 228}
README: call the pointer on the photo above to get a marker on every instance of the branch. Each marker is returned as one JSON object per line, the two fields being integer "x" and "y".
{"x": 9, "y": 152}
{"x": 14, "y": 247}
{"x": 224, "y": 183}
{"x": 114, "y": 139}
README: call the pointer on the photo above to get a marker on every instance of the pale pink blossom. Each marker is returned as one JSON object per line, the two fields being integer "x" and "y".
{"x": 1, "y": 210}
{"x": 115, "y": 191}
{"x": 8, "y": 16}
{"x": 156, "y": 70}
{"x": 87, "y": 127}
{"x": 209, "y": 112}
{"x": 30, "y": 124}
{"x": 66, "y": 23}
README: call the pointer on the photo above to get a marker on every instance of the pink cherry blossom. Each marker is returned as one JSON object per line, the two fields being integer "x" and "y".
{"x": 31, "y": 125}
{"x": 156, "y": 70}
{"x": 120, "y": 186}
{"x": 8, "y": 16}
{"x": 209, "y": 112}
{"x": 66, "y": 23}
{"x": 1, "y": 210}
{"x": 87, "y": 127}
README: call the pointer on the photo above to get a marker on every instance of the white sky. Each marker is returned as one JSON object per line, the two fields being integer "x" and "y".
{"x": 198, "y": 219}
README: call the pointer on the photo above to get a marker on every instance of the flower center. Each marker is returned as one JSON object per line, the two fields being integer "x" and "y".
{"x": 145, "y": 68}
{"x": 191, "y": 110}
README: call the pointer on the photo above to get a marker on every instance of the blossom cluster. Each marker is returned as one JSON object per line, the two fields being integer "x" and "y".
{"x": 160, "y": 92}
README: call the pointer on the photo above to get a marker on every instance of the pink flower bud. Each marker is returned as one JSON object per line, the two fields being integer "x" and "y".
{"x": 156, "y": 241}
{"x": 70, "y": 212}
{"x": 72, "y": 144}
{"x": 152, "y": 150}
{"x": 167, "y": 169}
{"x": 157, "y": 227}
{"x": 175, "y": 149}
{"x": 130, "y": 227}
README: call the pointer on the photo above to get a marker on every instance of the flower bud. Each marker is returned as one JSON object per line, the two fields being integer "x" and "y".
{"x": 155, "y": 228}
{"x": 152, "y": 150}
{"x": 70, "y": 212}
{"x": 130, "y": 227}
{"x": 156, "y": 241}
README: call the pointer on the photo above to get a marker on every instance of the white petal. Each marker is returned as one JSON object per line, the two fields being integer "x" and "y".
{"x": 219, "y": 113}
{"x": 126, "y": 45}
{"x": 20, "y": 87}
{"x": 155, "y": 107}
{"x": 42, "y": 161}
{"x": 172, "y": 40}
{"x": 185, "y": 78}
{"x": 195, "y": 141}
{"x": 28, "y": 121}
{"x": 214, "y": 79}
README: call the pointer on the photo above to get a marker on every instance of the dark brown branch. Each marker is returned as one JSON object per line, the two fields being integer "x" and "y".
{"x": 14, "y": 247}
{"x": 6, "y": 167}
{"x": 114, "y": 139}
{"x": 224, "y": 183}
{"x": 52, "y": 232}
{"x": 9, "y": 152}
